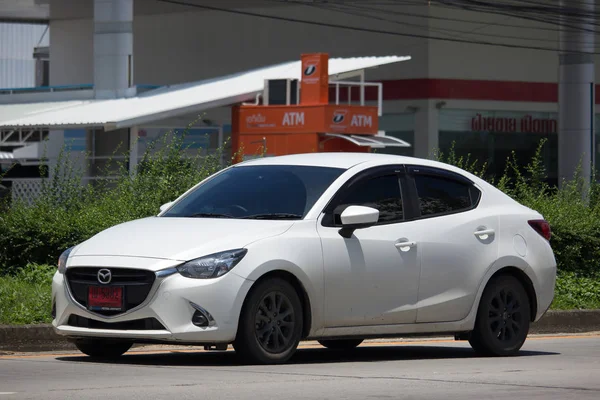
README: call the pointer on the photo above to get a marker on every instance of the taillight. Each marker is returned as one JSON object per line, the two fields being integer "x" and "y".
{"x": 542, "y": 227}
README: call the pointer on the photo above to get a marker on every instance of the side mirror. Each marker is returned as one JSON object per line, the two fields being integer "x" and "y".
{"x": 357, "y": 217}
{"x": 165, "y": 206}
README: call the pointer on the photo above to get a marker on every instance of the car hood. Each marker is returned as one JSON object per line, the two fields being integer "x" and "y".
{"x": 178, "y": 238}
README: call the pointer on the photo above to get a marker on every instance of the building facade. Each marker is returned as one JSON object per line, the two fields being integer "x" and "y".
{"x": 19, "y": 67}
{"x": 484, "y": 83}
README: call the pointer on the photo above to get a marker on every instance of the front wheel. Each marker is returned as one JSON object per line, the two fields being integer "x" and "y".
{"x": 344, "y": 344}
{"x": 503, "y": 318}
{"x": 270, "y": 324}
{"x": 101, "y": 348}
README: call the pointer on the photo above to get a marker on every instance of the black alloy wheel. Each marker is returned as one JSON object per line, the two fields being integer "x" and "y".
{"x": 271, "y": 323}
{"x": 503, "y": 318}
{"x": 274, "y": 322}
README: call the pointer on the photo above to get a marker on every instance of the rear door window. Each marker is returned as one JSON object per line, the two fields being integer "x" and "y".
{"x": 439, "y": 195}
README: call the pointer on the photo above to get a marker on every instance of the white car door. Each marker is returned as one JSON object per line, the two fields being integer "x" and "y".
{"x": 370, "y": 278}
{"x": 458, "y": 243}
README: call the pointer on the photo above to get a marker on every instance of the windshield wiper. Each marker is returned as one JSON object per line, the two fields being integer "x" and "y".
{"x": 273, "y": 216}
{"x": 210, "y": 215}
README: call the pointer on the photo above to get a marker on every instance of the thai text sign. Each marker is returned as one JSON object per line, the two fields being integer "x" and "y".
{"x": 308, "y": 119}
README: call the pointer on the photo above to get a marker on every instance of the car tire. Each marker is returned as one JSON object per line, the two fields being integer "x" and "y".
{"x": 503, "y": 318}
{"x": 343, "y": 344}
{"x": 271, "y": 323}
{"x": 100, "y": 348}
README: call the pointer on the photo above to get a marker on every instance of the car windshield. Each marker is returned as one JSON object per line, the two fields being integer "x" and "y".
{"x": 257, "y": 192}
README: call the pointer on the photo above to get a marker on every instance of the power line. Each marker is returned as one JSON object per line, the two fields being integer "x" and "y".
{"x": 450, "y": 32}
{"x": 408, "y": 14}
{"x": 533, "y": 13}
{"x": 370, "y": 8}
{"x": 358, "y": 29}
{"x": 544, "y": 15}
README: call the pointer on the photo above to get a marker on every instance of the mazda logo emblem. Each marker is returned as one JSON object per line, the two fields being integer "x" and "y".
{"x": 104, "y": 276}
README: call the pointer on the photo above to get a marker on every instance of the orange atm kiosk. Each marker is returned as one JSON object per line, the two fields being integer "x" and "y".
{"x": 303, "y": 119}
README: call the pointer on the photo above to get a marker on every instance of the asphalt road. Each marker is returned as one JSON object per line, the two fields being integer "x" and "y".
{"x": 549, "y": 368}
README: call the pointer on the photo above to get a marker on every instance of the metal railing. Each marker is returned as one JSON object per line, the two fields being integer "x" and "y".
{"x": 349, "y": 85}
{"x": 65, "y": 88}
{"x": 45, "y": 89}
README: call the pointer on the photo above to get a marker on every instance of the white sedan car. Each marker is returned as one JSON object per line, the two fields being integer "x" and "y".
{"x": 334, "y": 247}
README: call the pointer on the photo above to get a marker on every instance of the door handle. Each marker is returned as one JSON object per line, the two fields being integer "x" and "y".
{"x": 405, "y": 246}
{"x": 484, "y": 233}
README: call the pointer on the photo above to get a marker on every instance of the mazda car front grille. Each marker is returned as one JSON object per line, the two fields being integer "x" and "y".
{"x": 136, "y": 284}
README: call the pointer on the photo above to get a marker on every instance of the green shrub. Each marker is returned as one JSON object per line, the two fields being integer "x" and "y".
{"x": 573, "y": 211}
{"x": 68, "y": 213}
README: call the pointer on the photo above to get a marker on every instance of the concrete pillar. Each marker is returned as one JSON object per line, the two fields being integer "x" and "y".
{"x": 113, "y": 76}
{"x": 576, "y": 93}
{"x": 426, "y": 128}
{"x": 113, "y": 47}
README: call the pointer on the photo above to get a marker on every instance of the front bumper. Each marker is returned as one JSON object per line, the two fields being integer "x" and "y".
{"x": 170, "y": 303}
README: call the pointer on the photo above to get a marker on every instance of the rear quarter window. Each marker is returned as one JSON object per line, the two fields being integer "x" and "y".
{"x": 440, "y": 195}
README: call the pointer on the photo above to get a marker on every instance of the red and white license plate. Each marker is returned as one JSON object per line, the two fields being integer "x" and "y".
{"x": 105, "y": 298}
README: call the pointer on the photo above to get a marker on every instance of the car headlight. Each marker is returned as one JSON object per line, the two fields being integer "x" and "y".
{"x": 62, "y": 260}
{"x": 213, "y": 265}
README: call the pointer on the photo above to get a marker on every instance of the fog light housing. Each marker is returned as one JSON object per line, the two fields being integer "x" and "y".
{"x": 199, "y": 319}
{"x": 202, "y": 318}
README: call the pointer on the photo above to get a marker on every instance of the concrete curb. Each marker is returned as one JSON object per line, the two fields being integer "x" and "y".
{"x": 574, "y": 321}
{"x": 25, "y": 338}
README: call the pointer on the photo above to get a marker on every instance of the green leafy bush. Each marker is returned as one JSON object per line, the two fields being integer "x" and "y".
{"x": 573, "y": 211}
{"x": 68, "y": 213}
{"x": 32, "y": 235}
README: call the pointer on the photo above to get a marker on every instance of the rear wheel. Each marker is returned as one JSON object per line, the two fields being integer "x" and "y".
{"x": 503, "y": 318}
{"x": 344, "y": 344}
{"x": 102, "y": 348}
{"x": 271, "y": 323}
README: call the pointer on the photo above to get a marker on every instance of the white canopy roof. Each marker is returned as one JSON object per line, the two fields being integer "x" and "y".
{"x": 22, "y": 110}
{"x": 375, "y": 141}
{"x": 180, "y": 99}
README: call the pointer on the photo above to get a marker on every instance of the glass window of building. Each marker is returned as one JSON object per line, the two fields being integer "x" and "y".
{"x": 492, "y": 136}
{"x": 401, "y": 126}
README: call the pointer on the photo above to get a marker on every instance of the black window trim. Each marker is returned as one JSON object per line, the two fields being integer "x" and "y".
{"x": 370, "y": 173}
{"x": 414, "y": 170}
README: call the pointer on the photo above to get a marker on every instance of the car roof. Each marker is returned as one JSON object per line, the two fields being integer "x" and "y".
{"x": 349, "y": 160}
{"x": 344, "y": 160}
